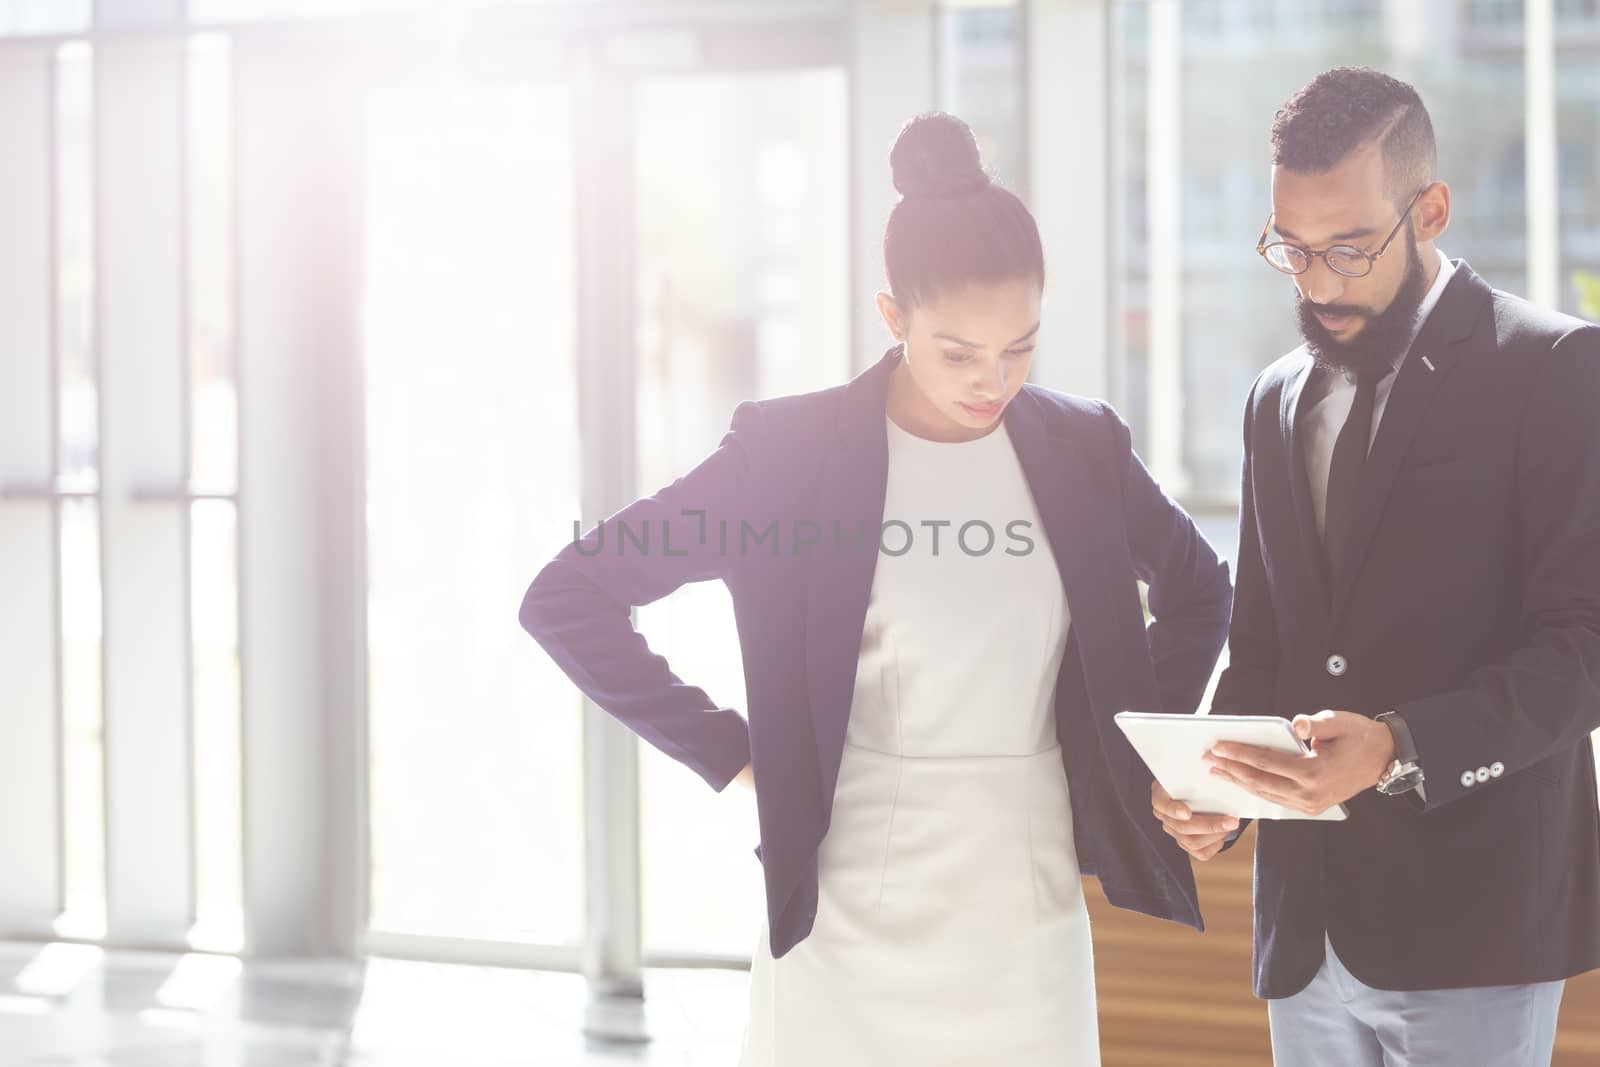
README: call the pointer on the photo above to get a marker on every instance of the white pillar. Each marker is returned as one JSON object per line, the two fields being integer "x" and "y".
{"x": 891, "y": 80}
{"x": 1544, "y": 207}
{"x": 141, "y": 335}
{"x": 30, "y": 623}
{"x": 1164, "y": 191}
{"x": 1069, "y": 131}
{"x": 298, "y": 224}
{"x": 607, "y": 392}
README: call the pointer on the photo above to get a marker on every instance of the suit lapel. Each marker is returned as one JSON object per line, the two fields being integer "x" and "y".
{"x": 851, "y": 491}
{"x": 1304, "y": 518}
{"x": 1076, "y": 509}
{"x": 1425, "y": 368}
{"x": 1062, "y": 490}
{"x": 851, "y": 487}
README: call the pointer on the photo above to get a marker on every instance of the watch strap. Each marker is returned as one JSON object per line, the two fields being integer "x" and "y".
{"x": 1405, "y": 749}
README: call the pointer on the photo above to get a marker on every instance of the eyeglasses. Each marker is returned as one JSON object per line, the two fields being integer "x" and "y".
{"x": 1348, "y": 260}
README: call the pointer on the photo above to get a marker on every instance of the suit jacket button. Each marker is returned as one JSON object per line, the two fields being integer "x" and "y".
{"x": 1468, "y": 778}
{"x": 1483, "y": 774}
{"x": 1337, "y": 665}
{"x": 1496, "y": 769}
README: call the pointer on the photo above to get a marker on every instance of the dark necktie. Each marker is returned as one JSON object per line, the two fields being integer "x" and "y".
{"x": 1344, "y": 473}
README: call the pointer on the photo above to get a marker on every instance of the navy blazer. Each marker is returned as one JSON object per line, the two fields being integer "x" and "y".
{"x": 1472, "y": 608}
{"x": 788, "y": 512}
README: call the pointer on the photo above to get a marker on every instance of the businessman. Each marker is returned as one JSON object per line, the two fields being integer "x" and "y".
{"x": 1419, "y": 589}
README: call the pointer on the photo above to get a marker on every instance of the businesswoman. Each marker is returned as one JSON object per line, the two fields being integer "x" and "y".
{"x": 934, "y": 575}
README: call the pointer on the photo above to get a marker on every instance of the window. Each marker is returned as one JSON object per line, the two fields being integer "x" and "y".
{"x": 213, "y": 523}
{"x": 1578, "y": 131}
{"x": 1234, "y": 315}
{"x": 471, "y": 446}
{"x": 1496, "y": 12}
{"x": 248, "y": 10}
{"x": 979, "y": 48}
{"x": 1204, "y": 17}
{"x": 742, "y": 265}
{"x": 23, "y": 17}
{"x": 78, "y": 468}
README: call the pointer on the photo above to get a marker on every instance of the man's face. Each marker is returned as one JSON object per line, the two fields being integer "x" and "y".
{"x": 1350, "y": 323}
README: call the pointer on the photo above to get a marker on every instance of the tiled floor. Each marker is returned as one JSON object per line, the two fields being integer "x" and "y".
{"x": 73, "y": 1006}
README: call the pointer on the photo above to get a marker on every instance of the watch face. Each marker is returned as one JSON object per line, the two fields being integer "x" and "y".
{"x": 1402, "y": 783}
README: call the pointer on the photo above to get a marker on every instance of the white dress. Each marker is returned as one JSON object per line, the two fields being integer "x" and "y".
{"x": 951, "y": 926}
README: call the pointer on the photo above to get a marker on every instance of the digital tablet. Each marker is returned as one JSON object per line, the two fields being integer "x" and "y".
{"x": 1174, "y": 747}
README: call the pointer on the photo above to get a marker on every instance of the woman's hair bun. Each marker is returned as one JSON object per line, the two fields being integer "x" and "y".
{"x": 936, "y": 155}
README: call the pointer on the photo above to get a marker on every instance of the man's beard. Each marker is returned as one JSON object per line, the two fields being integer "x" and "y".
{"x": 1387, "y": 333}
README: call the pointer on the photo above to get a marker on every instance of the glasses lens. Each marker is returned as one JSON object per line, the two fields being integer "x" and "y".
{"x": 1286, "y": 258}
{"x": 1351, "y": 262}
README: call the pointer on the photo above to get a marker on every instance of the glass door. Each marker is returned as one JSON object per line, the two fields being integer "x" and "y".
{"x": 741, "y": 192}
{"x": 471, "y": 476}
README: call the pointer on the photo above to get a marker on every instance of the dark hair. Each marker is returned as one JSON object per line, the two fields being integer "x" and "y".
{"x": 954, "y": 226}
{"x": 1348, "y": 108}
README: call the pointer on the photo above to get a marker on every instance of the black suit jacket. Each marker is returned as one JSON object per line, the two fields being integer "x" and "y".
{"x": 1474, "y": 610}
{"x": 813, "y": 469}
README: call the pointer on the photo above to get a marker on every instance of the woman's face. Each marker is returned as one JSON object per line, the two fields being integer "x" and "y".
{"x": 968, "y": 352}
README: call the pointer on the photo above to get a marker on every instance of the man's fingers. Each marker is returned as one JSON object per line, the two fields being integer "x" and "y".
{"x": 1181, "y": 818}
{"x": 1266, "y": 786}
{"x": 1256, "y": 779}
{"x": 1193, "y": 841}
{"x": 1163, "y": 803}
{"x": 1175, "y": 810}
{"x": 1201, "y": 846}
{"x": 1203, "y": 825}
{"x": 1281, "y": 764}
{"x": 1323, "y": 724}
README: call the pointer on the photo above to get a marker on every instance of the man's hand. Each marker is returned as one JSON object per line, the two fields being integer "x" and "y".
{"x": 1202, "y": 836}
{"x": 1349, "y": 753}
{"x": 747, "y": 777}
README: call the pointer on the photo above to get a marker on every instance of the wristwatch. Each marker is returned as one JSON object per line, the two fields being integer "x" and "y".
{"x": 1404, "y": 774}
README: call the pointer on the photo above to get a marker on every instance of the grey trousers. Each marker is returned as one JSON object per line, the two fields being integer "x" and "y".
{"x": 1337, "y": 1021}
